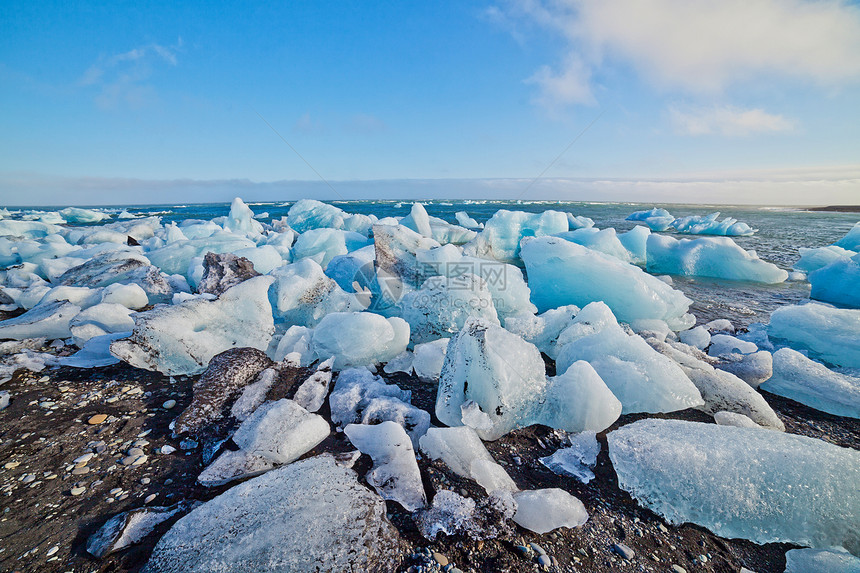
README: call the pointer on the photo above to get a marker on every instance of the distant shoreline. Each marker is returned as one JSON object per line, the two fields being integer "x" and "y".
{"x": 837, "y": 208}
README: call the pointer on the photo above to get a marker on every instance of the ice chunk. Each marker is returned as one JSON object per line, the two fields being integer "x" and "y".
{"x": 723, "y": 345}
{"x": 355, "y": 389}
{"x": 227, "y": 374}
{"x": 119, "y": 267}
{"x": 101, "y": 319}
{"x": 78, "y": 216}
{"x": 254, "y": 394}
{"x": 578, "y": 400}
{"x": 26, "y": 229}
{"x": 562, "y": 273}
{"x": 175, "y": 258}
{"x": 641, "y": 378}
{"x": 303, "y": 295}
{"x": 353, "y": 271}
{"x": 453, "y": 514}
{"x": 232, "y": 466}
{"x": 281, "y": 431}
{"x": 395, "y": 473}
{"x": 576, "y": 459}
{"x": 578, "y": 221}
{"x": 397, "y": 267}
{"x": 311, "y": 214}
{"x": 472, "y": 416}
{"x": 814, "y": 259}
{"x": 322, "y": 245}
{"x": 428, "y": 359}
{"x": 724, "y": 418}
{"x": 220, "y": 272}
{"x": 838, "y": 282}
{"x": 742, "y": 482}
{"x": 181, "y": 339}
{"x": 500, "y": 371}
{"x": 50, "y": 320}
{"x": 461, "y": 449}
{"x": 94, "y": 353}
{"x": 543, "y": 510}
{"x": 656, "y": 219}
{"x": 709, "y": 225}
{"x": 442, "y": 306}
{"x": 831, "y": 334}
{"x": 720, "y": 390}
{"x": 604, "y": 241}
{"x": 241, "y": 220}
{"x": 312, "y": 515}
{"x": 803, "y": 380}
{"x": 465, "y": 220}
{"x": 698, "y": 337}
{"x": 400, "y": 363}
{"x": 542, "y": 330}
{"x": 359, "y": 338}
{"x": 297, "y": 339}
{"x": 312, "y": 393}
{"x": 4, "y": 399}
{"x": 851, "y": 240}
{"x": 821, "y": 561}
{"x": 500, "y": 239}
{"x": 128, "y": 528}
{"x": 418, "y": 220}
{"x": 717, "y": 257}
{"x": 130, "y": 296}
{"x": 752, "y": 368}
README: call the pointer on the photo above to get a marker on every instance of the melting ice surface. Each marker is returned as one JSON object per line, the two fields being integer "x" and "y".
{"x": 769, "y": 486}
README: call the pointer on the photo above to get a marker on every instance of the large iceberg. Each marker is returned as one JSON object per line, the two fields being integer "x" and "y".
{"x": 814, "y": 259}
{"x": 181, "y": 339}
{"x": 742, "y": 482}
{"x": 717, "y": 257}
{"x": 501, "y": 236}
{"x": 828, "y": 333}
{"x": 797, "y": 377}
{"x": 656, "y": 219}
{"x": 562, "y": 273}
{"x": 640, "y": 377}
{"x": 709, "y": 225}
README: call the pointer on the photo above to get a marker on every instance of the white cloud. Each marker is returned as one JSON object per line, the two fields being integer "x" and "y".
{"x": 726, "y": 120}
{"x": 122, "y": 79}
{"x": 702, "y": 46}
{"x": 572, "y": 85}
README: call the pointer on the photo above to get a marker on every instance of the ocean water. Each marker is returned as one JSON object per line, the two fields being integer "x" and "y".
{"x": 781, "y": 232}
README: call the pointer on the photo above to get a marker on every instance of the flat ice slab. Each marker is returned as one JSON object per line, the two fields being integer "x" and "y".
{"x": 742, "y": 482}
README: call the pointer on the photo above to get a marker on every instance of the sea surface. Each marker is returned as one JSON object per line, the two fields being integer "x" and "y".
{"x": 781, "y": 232}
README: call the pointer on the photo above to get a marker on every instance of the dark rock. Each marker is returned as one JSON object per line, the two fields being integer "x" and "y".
{"x": 221, "y": 271}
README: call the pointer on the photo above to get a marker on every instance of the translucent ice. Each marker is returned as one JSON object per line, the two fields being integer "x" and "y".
{"x": 742, "y": 482}
{"x": 442, "y": 305}
{"x": 359, "y": 338}
{"x": 851, "y": 240}
{"x": 576, "y": 459}
{"x": 821, "y": 561}
{"x": 94, "y": 353}
{"x": 355, "y": 389}
{"x": 297, "y": 339}
{"x": 311, "y": 515}
{"x": 709, "y": 225}
{"x": 814, "y": 259}
{"x": 562, "y": 273}
{"x": 395, "y": 473}
{"x": 241, "y": 220}
{"x": 253, "y": 395}
{"x": 175, "y": 258}
{"x": 828, "y": 333}
{"x": 352, "y": 268}
{"x": 578, "y": 400}
{"x": 232, "y": 466}
{"x": 717, "y": 257}
{"x": 656, "y": 219}
{"x": 50, "y": 320}
{"x": 838, "y": 282}
{"x": 500, "y": 239}
{"x": 311, "y": 214}
{"x": 428, "y": 359}
{"x": 500, "y": 371}
{"x": 396, "y": 259}
{"x": 400, "y": 363}
{"x": 101, "y": 319}
{"x": 543, "y": 329}
{"x": 578, "y": 221}
{"x": 418, "y": 220}
{"x": 461, "y": 449}
{"x": 322, "y": 245}
{"x": 724, "y": 418}
{"x": 181, "y": 339}
{"x": 302, "y": 294}
{"x": 803, "y": 380}
{"x": 543, "y": 510}
{"x": 641, "y": 378}
{"x": 281, "y": 431}
{"x": 698, "y": 337}
{"x": 77, "y": 216}
{"x": 312, "y": 393}
{"x": 465, "y": 220}
{"x": 605, "y": 241}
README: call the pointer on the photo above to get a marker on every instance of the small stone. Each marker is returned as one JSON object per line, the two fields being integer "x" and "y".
{"x": 52, "y": 550}
{"x": 144, "y": 481}
{"x": 168, "y": 481}
{"x": 169, "y": 404}
{"x": 11, "y": 465}
{"x": 78, "y": 490}
{"x": 544, "y": 561}
{"x": 440, "y": 559}
{"x": 140, "y": 460}
{"x": 140, "y": 443}
{"x": 84, "y": 458}
{"x": 51, "y": 476}
{"x": 129, "y": 460}
{"x": 703, "y": 559}
{"x": 623, "y": 551}
{"x": 80, "y": 471}
{"x": 97, "y": 419}
{"x": 537, "y": 548}
{"x": 524, "y": 551}
{"x": 28, "y": 478}
{"x": 115, "y": 491}
{"x": 662, "y": 528}
{"x": 678, "y": 569}
{"x": 135, "y": 452}
{"x": 165, "y": 449}
{"x": 149, "y": 498}
{"x": 144, "y": 434}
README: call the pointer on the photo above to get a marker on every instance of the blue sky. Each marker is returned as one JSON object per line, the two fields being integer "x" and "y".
{"x": 748, "y": 101}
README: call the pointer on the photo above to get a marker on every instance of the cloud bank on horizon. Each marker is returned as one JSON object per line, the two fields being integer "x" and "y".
{"x": 606, "y": 99}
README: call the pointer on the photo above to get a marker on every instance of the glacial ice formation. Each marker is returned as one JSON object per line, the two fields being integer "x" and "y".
{"x": 302, "y": 294}
{"x": 562, "y": 273}
{"x": 577, "y": 458}
{"x": 709, "y": 225}
{"x": 359, "y": 338}
{"x": 835, "y": 560}
{"x": 181, "y": 339}
{"x": 830, "y": 334}
{"x": 500, "y": 238}
{"x": 543, "y": 510}
{"x": 716, "y": 257}
{"x": 837, "y": 282}
{"x": 742, "y": 482}
{"x": 281, "y": 431}
{"x": 851, "y": 240}
{"x": 462, "y": 450}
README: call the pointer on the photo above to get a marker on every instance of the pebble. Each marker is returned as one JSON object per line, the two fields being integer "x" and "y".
{"x": 140, "y": 460}
{"x": 544, "y": 561}
{"x": 78, "y": 490}
{"x": 537, "y": 548}
{"x": 115, "y": 491}
{"x": 11, "y": 465}
{"x": 678, "y": 569}
{"x": 149, "y": 498}
{"x": 140, "y": 443}
{"x": 623, "y": 551}
{"x": 144, "y": 481}
{"x": 28, "y": 478}
{"x": 129, "y": 460}
{"x": 84, "y": 458}
{"x": 169, "y": 404}
{"x": 80, "y": 471}
{"x": 662, "y": 528}
{"x": 135, "y": 452}
{"x": 144, "y": 434}
{"x": 165, "y": 449}
{"x": 97, "y": 419}
{"x": 52, "y": 550}
{"x": 440, "y": 559}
